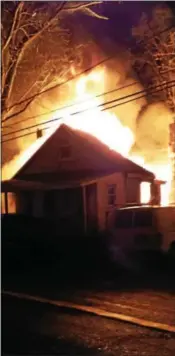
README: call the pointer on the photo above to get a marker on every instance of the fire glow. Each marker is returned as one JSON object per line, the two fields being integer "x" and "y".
{"x": 88, "y": 115}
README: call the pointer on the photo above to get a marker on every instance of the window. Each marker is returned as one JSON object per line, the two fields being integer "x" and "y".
{"x": 65, "y": 152}
{"x": 111, "y": 194}
{"x": 3, "y": 203}
{"x": 11, "y": 202}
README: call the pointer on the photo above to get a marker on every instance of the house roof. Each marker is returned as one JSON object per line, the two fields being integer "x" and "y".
{"x": 96, "y": 159}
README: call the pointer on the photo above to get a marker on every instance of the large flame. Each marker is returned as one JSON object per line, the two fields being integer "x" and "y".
{"x": 92, "y": 119}
{"x": 162, "y": 172}
{"x": 88, "y": 115}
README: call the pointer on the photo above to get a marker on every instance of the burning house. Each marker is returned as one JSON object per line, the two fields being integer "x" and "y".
{"x": 77, "y": 172}
{"x": 75, "y": 180}
{"x": 172, "y": 149}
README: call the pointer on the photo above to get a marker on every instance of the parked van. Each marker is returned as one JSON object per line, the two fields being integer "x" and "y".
{"x": 142, "y": 228}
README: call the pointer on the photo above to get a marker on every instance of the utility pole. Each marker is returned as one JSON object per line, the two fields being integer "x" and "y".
{"x": 39, "y": 133}
{"x": 172, "y": 157}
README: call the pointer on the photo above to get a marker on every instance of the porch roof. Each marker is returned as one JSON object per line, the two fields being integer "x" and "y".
{"x": 15, "y": 185}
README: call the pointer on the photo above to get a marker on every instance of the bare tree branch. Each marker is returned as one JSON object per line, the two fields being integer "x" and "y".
{"x": 18, "y": 112}
{"x": 16, "y": 14}
{"x": 26, "y": 27}
{"x": 86, "y": 7}
{"x": 155, "y": 62}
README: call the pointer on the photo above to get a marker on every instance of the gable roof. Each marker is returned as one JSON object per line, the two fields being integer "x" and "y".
{"x": 94, "y": 156}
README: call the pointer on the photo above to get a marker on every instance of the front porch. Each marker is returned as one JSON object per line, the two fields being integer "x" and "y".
{"x": 72, "y": 206}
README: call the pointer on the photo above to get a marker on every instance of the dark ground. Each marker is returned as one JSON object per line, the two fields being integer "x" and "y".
{"x": 30, "y": 328}
{"x": 38, "y": 329}
{"x": 80, "y": 271}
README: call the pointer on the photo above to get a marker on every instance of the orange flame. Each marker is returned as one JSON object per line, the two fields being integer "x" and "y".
{"x": 102, "y": 124}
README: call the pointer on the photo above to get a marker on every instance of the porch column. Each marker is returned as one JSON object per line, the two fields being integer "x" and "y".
{"x": 84, "y": 208}
{"x": 38, "y": 203}
{"x": 155, "y": 194}
{"x": 6, "y": 202}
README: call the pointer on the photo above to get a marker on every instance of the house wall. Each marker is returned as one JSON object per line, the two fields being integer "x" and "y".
{"x": 127, "y": 192}
{"x": 90, "y": 211}
{"x": 133, "y": 190}
{"x": 69, "y": 153}
{"x": 67, "y": 210}
{"x": 117, "y": 179}
{"x": 8, "y": 202}
{"x": 64, "y": 207}
{"x": 37, "y": 208}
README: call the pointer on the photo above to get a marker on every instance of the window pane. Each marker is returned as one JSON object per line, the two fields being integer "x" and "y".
{"x": 2, "y": 203}
{"x": 11, "y": 202}
{"x": 112, "y": 189}
{"x": 143, "y": 218}
{"x": 124, "y": 219}
{"x": 111, "y": 194}
{"x": 111, "y": 199}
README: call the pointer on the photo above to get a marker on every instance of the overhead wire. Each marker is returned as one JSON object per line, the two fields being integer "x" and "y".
{"x": 145, "y": 91}
{"x": 72, "y": 105}
{"x": 76, "y": 113}
{"x": 100, "y": 105}
{"x": 81, "y": 73}
{"x": 59, "y": 84}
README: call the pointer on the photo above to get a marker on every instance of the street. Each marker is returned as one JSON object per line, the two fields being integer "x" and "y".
{"x": 35, "y": 328}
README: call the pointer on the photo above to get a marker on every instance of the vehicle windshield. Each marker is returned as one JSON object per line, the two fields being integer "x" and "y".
{"x": 143, "y": 218}
{"x": 124, "y": 219}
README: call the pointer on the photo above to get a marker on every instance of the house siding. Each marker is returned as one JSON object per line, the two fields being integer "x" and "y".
{"x": 77, "y": 162}
{"x": 38, "y": 198}
{"x": 133, "y": 190}
{"x": 102, "y": 196}
{"x": 63, "y": 172}
{"x": 74, "y": 153}
{"x": 91, "y": 208}
{"x": 66, "y": 210}
{"x": 64, "y": 207}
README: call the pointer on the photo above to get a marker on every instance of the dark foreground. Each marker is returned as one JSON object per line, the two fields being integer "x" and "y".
{"x": 34, "y": 328}
{"x": 80, "y": 270}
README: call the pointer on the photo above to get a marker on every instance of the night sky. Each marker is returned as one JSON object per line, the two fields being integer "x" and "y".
{"x": 122, "y": 16}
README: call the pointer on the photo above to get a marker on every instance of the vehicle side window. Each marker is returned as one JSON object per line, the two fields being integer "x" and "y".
{"x": 143, "y": 218}
{"x": 124, "y": 219}
{"x": 112, "y": 194}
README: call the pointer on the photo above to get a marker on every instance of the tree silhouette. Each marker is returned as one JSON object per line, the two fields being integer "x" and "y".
{"x": 36, "y": 49}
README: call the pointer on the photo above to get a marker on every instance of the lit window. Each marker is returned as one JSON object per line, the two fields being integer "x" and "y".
{"x": 111, "y": 194}
{"x": 3, "y": 203}
{"x": 65, "y": 152}
{"x": 11, "y": 202}
{"x": 145, "y": 192}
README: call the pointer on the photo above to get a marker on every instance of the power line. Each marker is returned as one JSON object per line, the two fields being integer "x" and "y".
{"x": 85, "y": 110}
{"x": 59, "y": 85}
{"x": 79, "y": 74}
{"x": 71, "y": 105}
{"x": 46, "y": 128}
{"x": 24, "y": 135}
